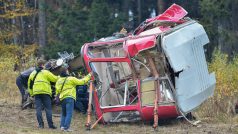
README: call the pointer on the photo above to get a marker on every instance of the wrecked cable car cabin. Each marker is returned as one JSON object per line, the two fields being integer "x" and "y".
{"x": 158, "y": 72}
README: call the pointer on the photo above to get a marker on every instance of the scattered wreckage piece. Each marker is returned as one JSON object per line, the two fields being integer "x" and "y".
{"x": 158, "y": 72}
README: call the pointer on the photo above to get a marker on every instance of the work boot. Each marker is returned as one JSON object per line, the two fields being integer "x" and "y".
{"x": 41, "y": 126}
{"x": 62, "y": 128}
{"x": 53, "y": 127}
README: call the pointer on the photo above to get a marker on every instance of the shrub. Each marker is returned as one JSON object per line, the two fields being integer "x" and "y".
{"x": 12, "y": 57}
{"x": 222, "y": 104}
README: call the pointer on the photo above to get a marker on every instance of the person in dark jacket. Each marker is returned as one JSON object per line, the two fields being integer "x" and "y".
{"x": 21, "y": 82}
{"x": 81, "y": 102}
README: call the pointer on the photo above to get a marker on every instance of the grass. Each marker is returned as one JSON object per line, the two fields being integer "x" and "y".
{"x": 15, "y": 121}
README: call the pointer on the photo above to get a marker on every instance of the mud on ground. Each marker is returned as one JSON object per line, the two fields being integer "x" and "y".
{"x": 13, "y": 120}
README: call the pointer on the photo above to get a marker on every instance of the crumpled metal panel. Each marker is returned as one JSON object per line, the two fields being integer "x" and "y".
{"x": 174, "y": 13}
{"x": 184, "y": 50}
{"x": 134, "y": 46}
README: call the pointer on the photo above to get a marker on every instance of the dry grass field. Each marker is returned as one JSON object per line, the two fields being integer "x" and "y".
{"x": 13, "y": 120}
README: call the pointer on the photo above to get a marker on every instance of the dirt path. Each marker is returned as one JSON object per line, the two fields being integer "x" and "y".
{"x": 13, "y": 120}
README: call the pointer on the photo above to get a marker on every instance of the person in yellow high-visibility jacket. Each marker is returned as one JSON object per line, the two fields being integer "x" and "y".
{"x": 40, "y": 88}
{"x": 66, "y": 90}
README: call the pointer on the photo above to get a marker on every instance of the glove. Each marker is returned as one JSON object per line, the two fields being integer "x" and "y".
{"x": 57, "y": 100}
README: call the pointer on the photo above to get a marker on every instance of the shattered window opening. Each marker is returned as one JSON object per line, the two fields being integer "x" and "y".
{"x": 107, "y": 50}
{"x": 117, "y": 86}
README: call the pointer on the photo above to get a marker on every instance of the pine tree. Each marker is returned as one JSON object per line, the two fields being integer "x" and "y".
{"x": 12, "y": 21}
{"x": 217, "y": 19}
{"x": 100, "y": 19}
{"x": 67, "y": 27}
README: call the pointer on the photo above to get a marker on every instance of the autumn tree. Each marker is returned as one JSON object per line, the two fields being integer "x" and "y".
{"x": 12, "y": 23}
{"x": 220, "y": 21}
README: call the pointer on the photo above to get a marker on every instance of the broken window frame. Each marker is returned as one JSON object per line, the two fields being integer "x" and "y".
{"x": 118, "y": 84}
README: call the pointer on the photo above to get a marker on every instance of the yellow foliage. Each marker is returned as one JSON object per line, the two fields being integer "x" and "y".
{"x": 13, "y": 9}
{"x": 12, "y": 55}
{"x": 222, "y": 104}
{"x": 226, "y": 75}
